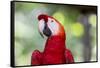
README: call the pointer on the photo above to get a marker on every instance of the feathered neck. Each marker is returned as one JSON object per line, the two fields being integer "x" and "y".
{"x": 54, "y": 43}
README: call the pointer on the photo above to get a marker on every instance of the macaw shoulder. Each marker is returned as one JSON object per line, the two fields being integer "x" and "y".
{"x": 36, "y": 58}
{"x": 69, "y": 56}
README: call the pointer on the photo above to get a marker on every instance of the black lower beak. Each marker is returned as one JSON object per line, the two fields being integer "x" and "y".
{"x": 47, "y": 31}
{"x": 41, "y": 34}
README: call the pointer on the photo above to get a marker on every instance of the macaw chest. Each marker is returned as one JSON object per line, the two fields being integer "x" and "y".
{"x": 53, "y": 58}
{"x": 54, "y": 51}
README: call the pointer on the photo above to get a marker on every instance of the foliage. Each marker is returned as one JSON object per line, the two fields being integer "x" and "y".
{"x": 27, "y": 37}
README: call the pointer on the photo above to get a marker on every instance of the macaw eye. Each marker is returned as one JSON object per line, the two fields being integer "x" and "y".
{"x": 51, "y": 21}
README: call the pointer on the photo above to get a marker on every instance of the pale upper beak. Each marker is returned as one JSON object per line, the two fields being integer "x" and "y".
{"x": 46, "y": 31}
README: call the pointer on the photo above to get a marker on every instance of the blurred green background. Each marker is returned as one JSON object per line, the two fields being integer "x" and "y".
{"x": 79, "y": 23}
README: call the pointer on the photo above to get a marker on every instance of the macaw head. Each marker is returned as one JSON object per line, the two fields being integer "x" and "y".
{"x": 49, "y": 26}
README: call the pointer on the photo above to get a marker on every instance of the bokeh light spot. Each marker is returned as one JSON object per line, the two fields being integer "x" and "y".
{"x": 77, "y": 29}
{"x": 92, "y": 20}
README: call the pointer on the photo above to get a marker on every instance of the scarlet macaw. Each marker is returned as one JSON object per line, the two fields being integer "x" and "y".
{"x": 55, "y": 51}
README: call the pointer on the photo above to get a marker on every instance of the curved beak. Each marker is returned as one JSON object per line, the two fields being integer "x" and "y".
{"x": 46, "y": 31}
{"x": 41, "y": 34}
{"x": 42, "y": 16}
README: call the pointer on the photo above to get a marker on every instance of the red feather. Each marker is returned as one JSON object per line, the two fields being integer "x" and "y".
{"x": 36, "y": 58}
{"x": 55, "y": 52}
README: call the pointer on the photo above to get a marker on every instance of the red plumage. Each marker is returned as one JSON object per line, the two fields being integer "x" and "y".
{"x": 55, "y": 51}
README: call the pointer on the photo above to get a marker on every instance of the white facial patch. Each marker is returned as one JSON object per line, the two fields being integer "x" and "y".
{"x": 41, "y": 25}
{"x": 53, "y": 25}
